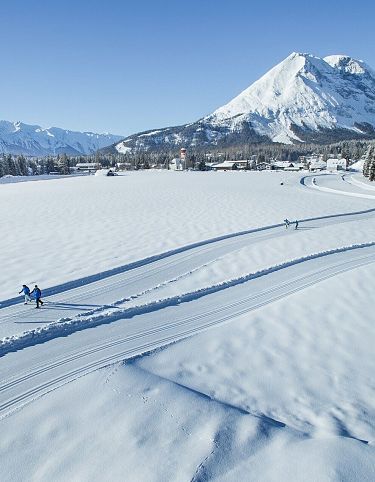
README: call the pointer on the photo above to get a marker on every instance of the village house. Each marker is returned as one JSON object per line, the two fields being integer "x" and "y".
{"x": 264, "y": 166}
{"x": 287, "y": 165}
{"x": 124, "y": 166}
{"x": 316, "y": 164}
{"x": 88, "y": 166}
{"x": 337, "y": 164}
{"x": 224, "y": 166}
{"x": 240, "y": 164}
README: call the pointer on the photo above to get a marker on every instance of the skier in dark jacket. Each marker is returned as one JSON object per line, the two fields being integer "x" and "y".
{"x": 26, "y": 291}
{"x": 296, "y": 225}
{"x": 37, "y": 295}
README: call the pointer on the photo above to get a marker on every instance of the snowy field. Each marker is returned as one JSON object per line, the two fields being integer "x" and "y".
{"x": 187, "y": 335}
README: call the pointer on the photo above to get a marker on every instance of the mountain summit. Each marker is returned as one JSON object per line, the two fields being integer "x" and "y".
{"x": 305, "y": 92}
{"x": 304, "y": 98}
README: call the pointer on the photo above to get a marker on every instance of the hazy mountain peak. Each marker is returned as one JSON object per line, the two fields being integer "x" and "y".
{"x": 20, "y": 138}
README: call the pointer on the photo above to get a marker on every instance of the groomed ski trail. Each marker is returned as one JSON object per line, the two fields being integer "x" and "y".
{"x": 37, "y": 370}
{"x": 336, "y": 184}
{"x": 99, "y": 292}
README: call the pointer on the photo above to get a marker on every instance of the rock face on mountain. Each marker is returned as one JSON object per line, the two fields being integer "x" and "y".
{"x": 19, "y": 138}
{"x": 303, "y": 99}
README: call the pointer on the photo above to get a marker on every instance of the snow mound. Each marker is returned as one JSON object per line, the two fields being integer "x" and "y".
{"x": 357, "y": 166}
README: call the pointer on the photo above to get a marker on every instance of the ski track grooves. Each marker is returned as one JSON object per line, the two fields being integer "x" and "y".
{"x": 57, "y": 370}
{"x": 330, "y": 190}
{"x": 158, "y": 257}
{"x": 99, "y": 289}
{"x": 64, "y": 328}
{"x": 160, "y": 335}
{"x": 358, "y": 183}
{"x": 184, "y": 253}
{"x": 137, "y": 264}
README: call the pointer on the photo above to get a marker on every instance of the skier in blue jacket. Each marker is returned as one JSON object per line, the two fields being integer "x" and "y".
{"x": 37, "y": 295}
{"x": 26, "y": 291}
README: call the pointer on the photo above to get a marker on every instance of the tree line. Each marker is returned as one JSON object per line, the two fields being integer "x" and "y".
{"x": 19, "y": 165}
{"x": 13, "y": 165}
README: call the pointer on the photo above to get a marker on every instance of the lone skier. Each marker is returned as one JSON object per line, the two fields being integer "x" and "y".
{"x": 296, "y": 224}
{"x": 37, "y": 295}
{"x": 26, "y": 291}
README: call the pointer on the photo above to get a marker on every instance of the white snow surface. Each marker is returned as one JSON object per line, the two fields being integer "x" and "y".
{"x": 100, "y": 222}
{"x": 358, "y": 166}
{"x": 253, "y": 351}
{"x": 122, "y": 149}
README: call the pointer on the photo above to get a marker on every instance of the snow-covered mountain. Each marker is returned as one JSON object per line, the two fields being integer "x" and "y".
{"x": 33, "y": 140}
{"x": 304, "y": 98}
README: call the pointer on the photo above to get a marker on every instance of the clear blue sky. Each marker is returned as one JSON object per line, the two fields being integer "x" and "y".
{"x": 127, "y": 66}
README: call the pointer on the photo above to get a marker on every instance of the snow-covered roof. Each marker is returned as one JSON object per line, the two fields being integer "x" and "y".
{"x": 87, "y": 164}
{"x": 336, "y": 161}
{"x": 317, "y": 163}
{"x": 225, "y": 164}
{"x": 283, "y": 163}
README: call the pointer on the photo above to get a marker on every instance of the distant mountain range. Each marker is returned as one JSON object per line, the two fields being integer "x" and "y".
{"x": 303, "y": 99}
{"x": 33, "y": 140}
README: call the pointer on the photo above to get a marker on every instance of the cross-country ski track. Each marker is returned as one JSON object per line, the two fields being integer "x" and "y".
{"x": 111, "y": 288}
{"x": 53, "y": 354}
{"x": 34, "y": 374}
{"x": 343, "y": 185}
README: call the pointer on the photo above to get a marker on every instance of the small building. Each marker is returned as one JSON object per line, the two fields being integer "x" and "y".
{"x": 88, "y": 166}
{"x": 288, "y": 165}
{"x": 124, "y": 166}
{"x": 281, "y": 164}
{"x": 337, "y": 164}
{"x": 225, "y": 166}
{"x": 245, "y": 163}
{"x": 177, "y": 164}
{"x": 295, "y": 166}
{"x": 316, "y": 164}
{"x": 264, "y": 166}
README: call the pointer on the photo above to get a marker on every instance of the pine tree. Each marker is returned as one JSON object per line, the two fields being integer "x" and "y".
{"x": 201, "y": 165}
{"x": 64, "y": 164}
{"x": 372, "y": 170}
{"x": 21, "y": 166}
{"x": 366, "y": 168}
{"x": 369, "y": 164}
